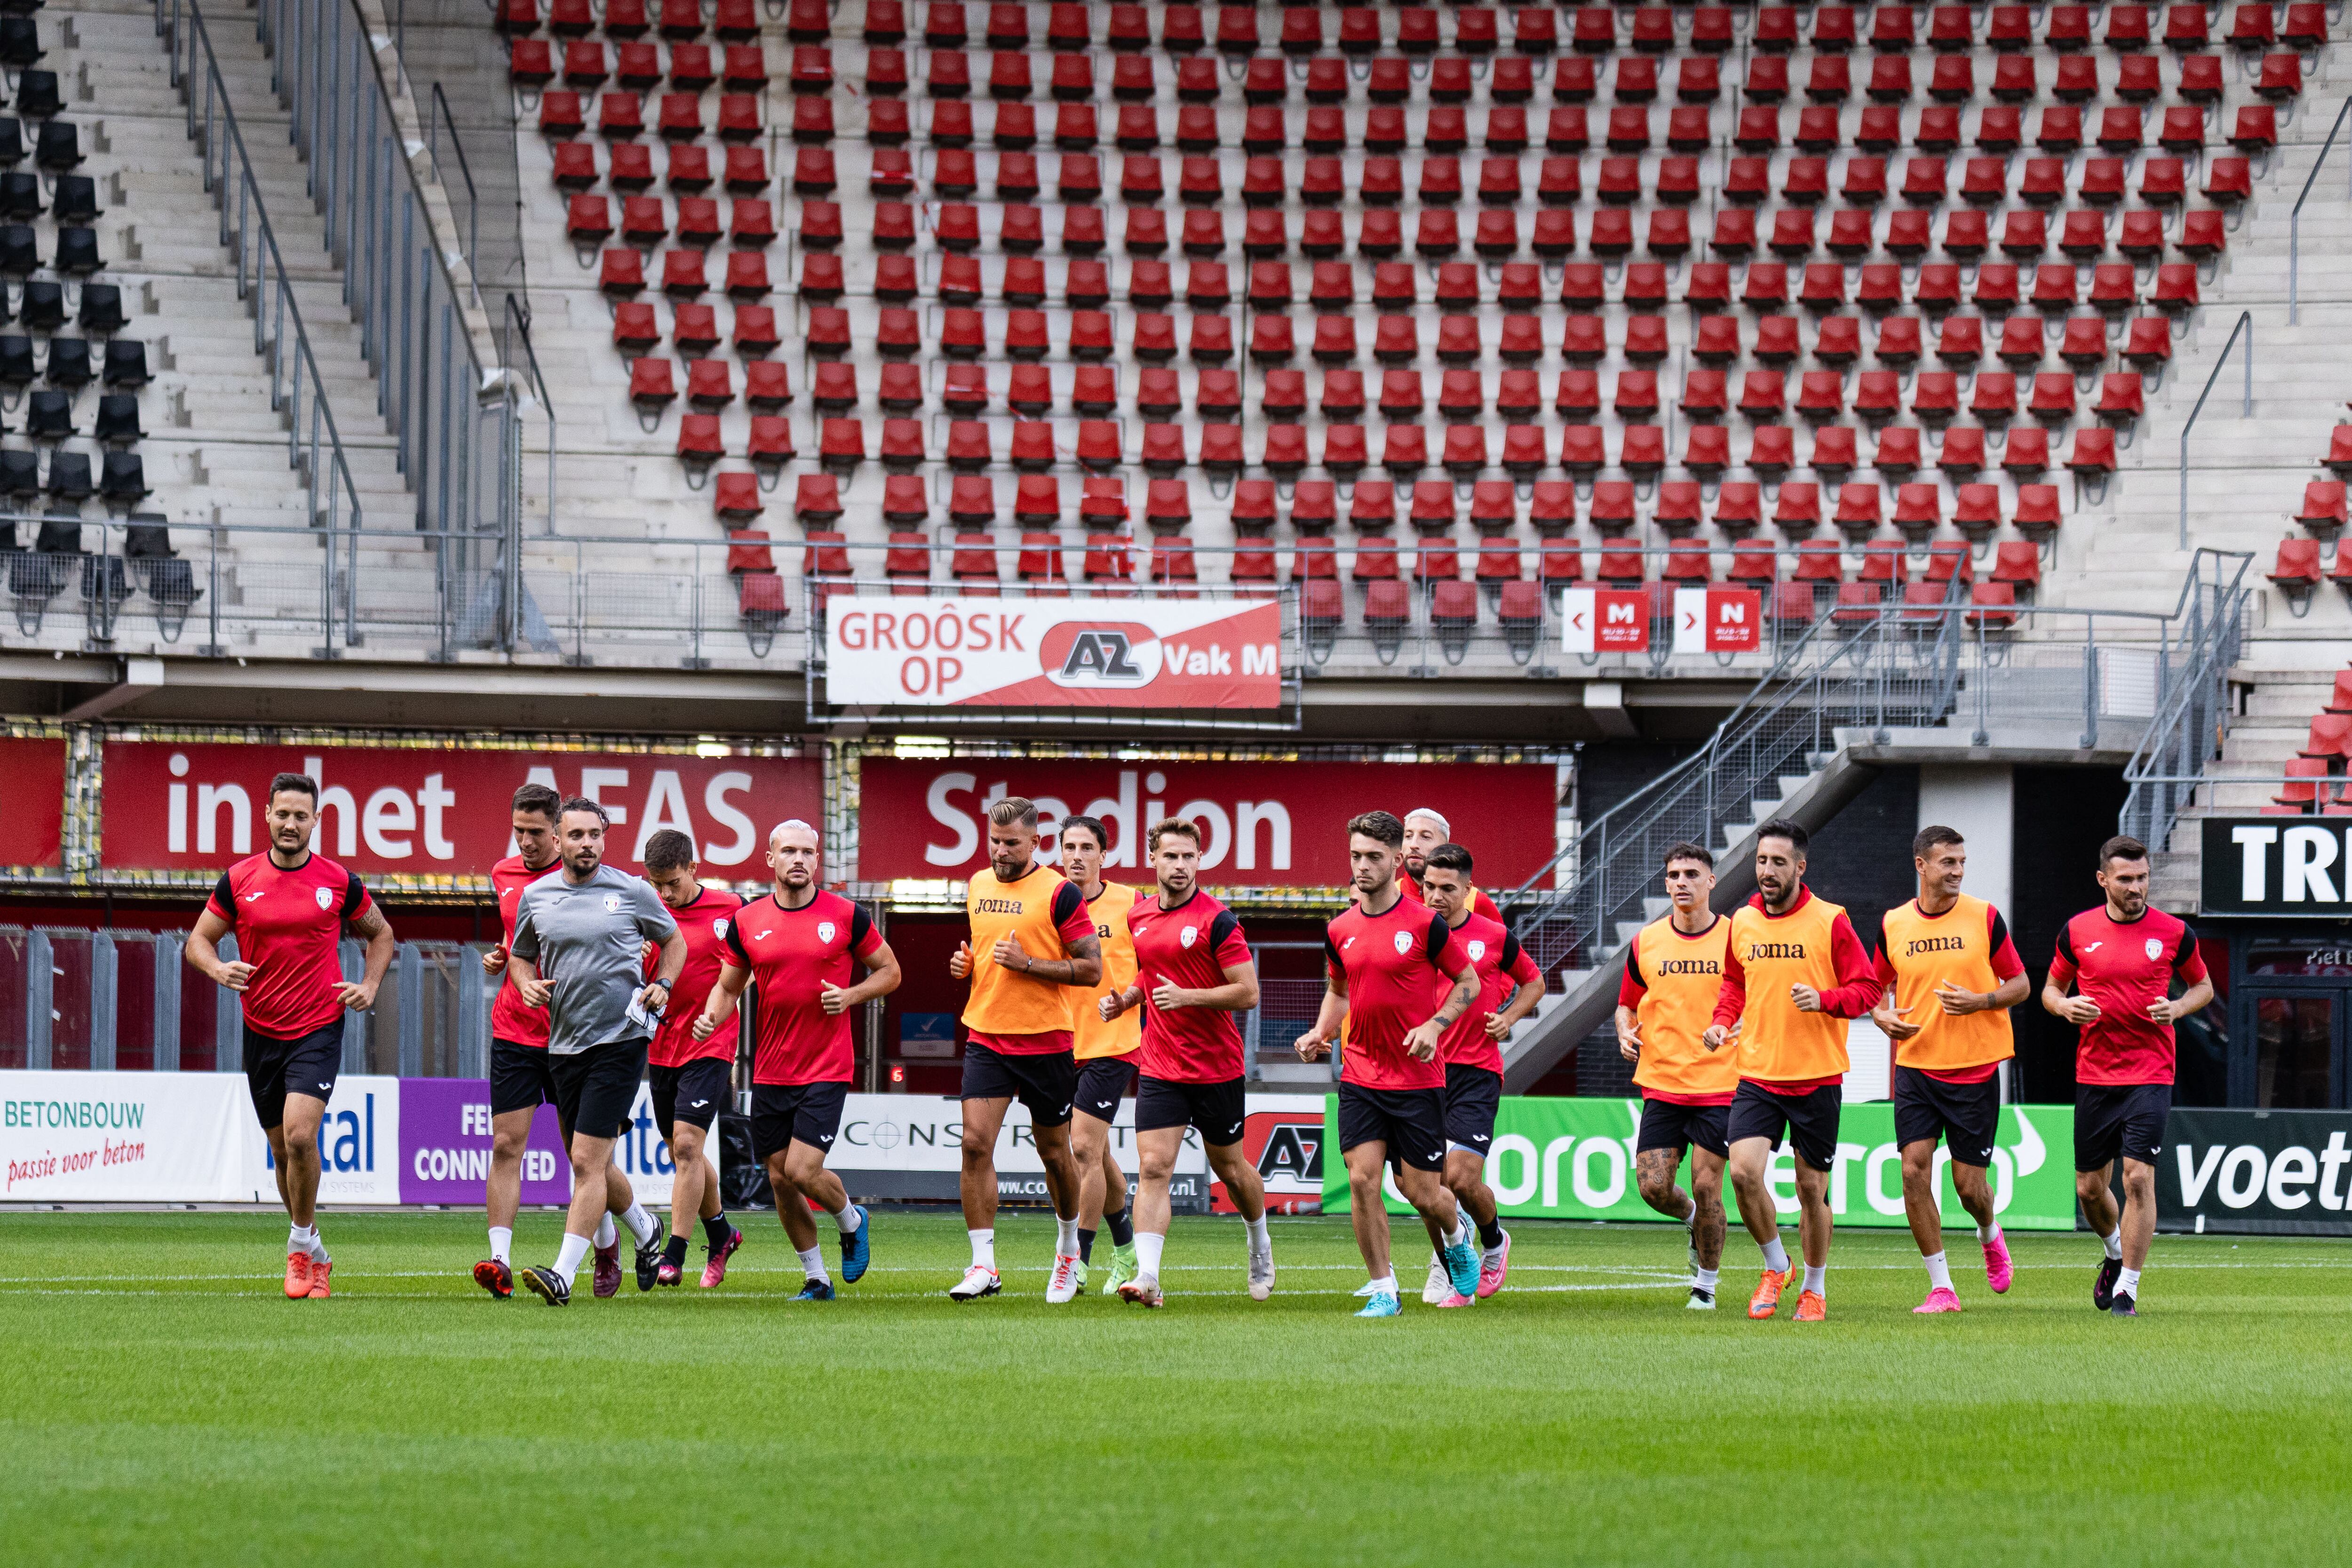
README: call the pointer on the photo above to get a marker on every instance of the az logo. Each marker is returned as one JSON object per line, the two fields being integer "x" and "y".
{"x": 1102, "y": 658}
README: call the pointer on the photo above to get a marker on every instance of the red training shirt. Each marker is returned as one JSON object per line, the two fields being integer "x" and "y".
{"x": 509, "y": 1018}
{"x": 1399, "y": 967}
{"x": 791, "y": 953}
{"x": 2124, "y": 966}
{"x": 703, "y": 924}
{"x": 289, "y": 925}
{"x": 1501, "y": 961}
{"x": 1187, "y": 945}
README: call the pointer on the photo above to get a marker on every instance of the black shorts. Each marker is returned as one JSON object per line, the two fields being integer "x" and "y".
{"x": 520, "y": 1079}
{"x": 1808, "y": 1120}
{"x": 595, "y": 1089}
{"x": 2126, "y": 1119}
{"x": 1218, "y": 1109}
{"x": 1667, "y": 1125}
{"x": 1047, "y": 1083}
{"x": 694, "y": 1092}
{"x": 1411, "y": 1121}
{"x": 1473, "y": 1095}
{"x": 1102, "y": 1083}
{"x": 1967, "y": 1114}
{"x": 274, "y": 1068}
{"x": 783, "y": 1114}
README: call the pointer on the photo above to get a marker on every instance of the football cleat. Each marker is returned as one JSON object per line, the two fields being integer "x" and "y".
{"x": 496, "y": 1277}
{"x": 649, "y": 1257}
{"x": 1062, "y": 1285}
{"x": 976, "y": 1282}
{"x": 1939, "y": 1299}
{"x": 546, "y": 1285}
{"x": 1084, "y": 1269}
{"x": 320, "y": 1268}
{"x": 1261, "y": 1272}
{"x": 1700, "y": 1300}
{"x": 2123, "y": 1306}
{"x": 1124, "y": 1267}
{"x": 816, "y": 1290}
{"x": 715, "y": 1269}
{"x": 2103, "y": 1288}
{"x": 857, "y": 1248}
{"x": 1811, "y": 1307}
{"x": 668, "y": 1273}
{"x": 1768, "y": 1291}
{"x": 1462, "y": 1267}
{"x": 1439, "y": 1284}
{"x": 1142, "y": 1290}
{"x": 1492, "y": 1272}
{"x": 1383, "y": 1304}
{"x": 1366, "y": 1288}
{"x": 1999, "y": 1270}
{"x": 1453, "y": 1301}
{"x": 607, "y": 1279}
{"x": 298, "y": 1276}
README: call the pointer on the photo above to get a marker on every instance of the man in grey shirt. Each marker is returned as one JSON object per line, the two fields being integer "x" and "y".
{"x": 580, "y": 934}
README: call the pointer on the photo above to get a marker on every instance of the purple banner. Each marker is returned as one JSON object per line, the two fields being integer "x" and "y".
{"x": 444, "y": 1140}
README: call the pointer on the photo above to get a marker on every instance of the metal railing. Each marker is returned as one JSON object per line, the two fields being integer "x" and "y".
{"x": 2245, "y": 324}
{"x": 2295, "y": 218}
{"x": 314, "y": 446}
{"x": 2169, "y": 765}
{"x": 441, "y": 116}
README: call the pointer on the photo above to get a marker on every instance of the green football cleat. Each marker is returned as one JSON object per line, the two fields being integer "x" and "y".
{"x": 1123, "y": 1265}
{"x": 1082, "y": 1277}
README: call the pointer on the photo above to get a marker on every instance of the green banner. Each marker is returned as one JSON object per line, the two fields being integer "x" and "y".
{"x": 1573, "y": 1159}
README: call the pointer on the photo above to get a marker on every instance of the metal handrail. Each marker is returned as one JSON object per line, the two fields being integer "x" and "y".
{"x": 473, "y": 198}
{"x": 2245, "y": 324}
{"x": 2170, "y": 759}
{"x": 2295, "y": 218}
{"x": 221, "y": 136}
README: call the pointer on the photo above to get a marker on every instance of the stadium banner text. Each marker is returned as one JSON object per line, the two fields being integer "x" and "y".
{"x": 909, "y": 1148}
{"x": 947, "y": 652}
{"x": 2256, "y": 866}
{"x": 437, "y": 811}
{"x": 1264, "y": 824}
{"x": 2260, "y": 1173}
{"x": 33, "y": 831}
{"x": 1573, "y": 1159}
{"x": 146, "y": 1136}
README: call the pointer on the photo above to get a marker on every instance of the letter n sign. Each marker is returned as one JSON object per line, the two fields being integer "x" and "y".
{"x": 1605, "y": 620}
{"x": 1719, "y": 620}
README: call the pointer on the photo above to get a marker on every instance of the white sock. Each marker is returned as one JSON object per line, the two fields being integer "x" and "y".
{"x": 1148, "y": 1248}
{"x": 2113, "y": 1242}
{"x": 1459, "y": 1233}
{"x": 1691, "y": 1218}
{"x": 1260, "y": 1238}
{"x": 641, "y": 1224}
{"x": 847, "y": 1220}
{"x": 502, "y": 1243}
{"x": 812, "y": 1264}
{"x": 1776, "y": 1257}
{"x": 984, "y": 1248}
{"x": 304, "y": 1239}
{"x": 1065, "y": 1236}
{"x": 1491, "y": 1255}
{"x": 2128, "y": 1283}
{"x": 1939, "y": 1272}
{"x": 1707, "y": 1279}
{"x": 605, "y": 1235}
{"x": 1817, "y": 1279}
{"x": 568, "y": 1256}
{"x": 1988, "y": 1233}
{"x": 1385, "y": 1282}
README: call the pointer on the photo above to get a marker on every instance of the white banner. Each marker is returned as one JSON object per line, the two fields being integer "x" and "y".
{"x": 123, "y": 1137}
{"x": 925, "y": 1132}
{"x": 359, "y": 1144}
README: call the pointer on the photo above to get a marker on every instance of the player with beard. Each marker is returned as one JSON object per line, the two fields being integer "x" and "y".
{"x": 692, "y": 1076}
{"x": 288, "y": 908}
{"x": 1424, "y": 830}
{"x": 1017, "y": 1034}
{"x": 1193, "y": 972}
{"x": 1104, "y": 1046}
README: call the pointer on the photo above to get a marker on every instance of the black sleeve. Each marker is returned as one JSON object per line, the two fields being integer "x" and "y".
{"x": 354, "y": 894}
{"x": 1433, "y": 941}
{"x": 1996, "y": 930}
{"x": 860, "y": 922}
{"x": 226, "y": 897}
{"x": 740, "y": 959}
{"x": 1067, "y": 903}
{"x": 1331, "y": 952}
{"x": 1510, "y": 951}
{"x": 1881, "y": 932}
{"x": 2181, "y": 954}
{"x": 1224, "y": 925}
{"x": 2065, "y": 946}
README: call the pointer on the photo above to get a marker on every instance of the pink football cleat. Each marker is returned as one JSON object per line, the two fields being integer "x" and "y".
{"x": 1491, "y": 1275}
{"x": 1938, "y": 1301}
{"x": 1453, "y": 1300}
{"x": 715, "y": 1270}
{"x": 1997, "y": 1269}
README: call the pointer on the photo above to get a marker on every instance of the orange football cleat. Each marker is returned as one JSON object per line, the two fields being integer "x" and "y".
{"x": 1811, "y": 1307}
{"x": 1768, "y": 1291}
{"x": 298, "y": 1276}
{"x": 320, "y": 1270}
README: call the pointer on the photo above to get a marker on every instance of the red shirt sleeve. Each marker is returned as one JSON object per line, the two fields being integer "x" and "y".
{"x": 356, "y": 899}
{"x": 865, "y": 936}
{"x": 2005, "y": 965}
{"x": 1633, "y": 988}
{"x": 223, "y": 902}
{"x": 1070, "y": 917}
{"x": 1885, "y": 971}
{"x": 1859, "y": 986}
{"x": 1485, "y": 906}
{"x": 2062, "y": 961}
{"x": 1518, "y": 964}
{"x": 1232, "y": 948}
{"x": 2190, "y": 963}
{"x": 1731, "y": 998}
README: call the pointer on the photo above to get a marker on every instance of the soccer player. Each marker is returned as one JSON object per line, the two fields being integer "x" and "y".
{"x": 1105, "y": 1047}
{"x": 1018, "y": 1038}
{"x": 692, "y": 1074}
{"x": 1193, "y": 972}
{"x": 578, "y": 951}
{"x": 1673, "y": 969}
{"x": 1951, "y": 975}
{"x": 1397, "y": 976}
{"x": 2121, "y": 958}
{"x": 1509, "y": 987}
{"x": 288, "y": 908}
{"x": 1424, "y": 830}
{"x": 803, "y": 945}
{"x": 1793, "y": 972}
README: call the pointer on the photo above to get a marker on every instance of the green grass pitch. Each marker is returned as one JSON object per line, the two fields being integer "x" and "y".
{"x": 164, "y": 1405}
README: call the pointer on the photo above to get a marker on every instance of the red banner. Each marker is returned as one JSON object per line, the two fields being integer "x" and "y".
{"x": 32, "y": 828}
{"x": 1271, "y": 824}
{"x": 426, "y": 811}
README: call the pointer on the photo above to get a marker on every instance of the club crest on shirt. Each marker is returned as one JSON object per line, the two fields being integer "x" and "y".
{"x": 1184, "y": 938}
{"x": 825, "y": 929}
{"x": 1404, "y": 942}
{"x": 1477, "y": 949}
{"x": 326, "y": 898}
{"x": 612, "y": 903}
{"x": 718, "y": 928}
{"x": 2155, "y": 948}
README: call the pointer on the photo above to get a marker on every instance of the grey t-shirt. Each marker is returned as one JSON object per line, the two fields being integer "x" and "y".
{"x": 587, "y": 940}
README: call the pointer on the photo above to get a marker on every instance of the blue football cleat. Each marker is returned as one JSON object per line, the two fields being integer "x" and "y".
{"x": 1383, "y": 1304}
{"x": 856, "y": 1250}
{"x": 1462, "y": 1267}
{"x": 816, "y": 1290}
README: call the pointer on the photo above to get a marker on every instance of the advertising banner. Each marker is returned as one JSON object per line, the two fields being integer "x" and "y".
{"x": 2261, "y": 1172}
{"x": 2255, "y": 866}
{"x": 359, "y": 1145}
{"x": 1282, "y": 1135}
{"x": 1719, "y": 620}
{"x": 123, "y": 1137}
{"x": 445, "y": 1156}
{"x": 436, "y": 811}
{"x": 1264, "y": 824}
{"x": 945, "y": 652}
{"x": 1605, "y": 620}
{"x": 1573, "y": 1159}
{"x": 910, "y": 1146}
{"x": 32, "y": 831}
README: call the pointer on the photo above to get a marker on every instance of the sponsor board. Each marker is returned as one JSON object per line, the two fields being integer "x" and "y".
{"x": 2274, "y": 1173}
{"x": 444, "y": 1153}
{"x": 1283, "y": 1137}
{"x": 359, "y": 1146}
{"x": 1573, "y": 1159}
{"x": 123, "y": 1137}
{"x": 2270, "y": 866}
{"x": 32, "y": 831}
{"x": 910, "y": 1146}
{"x": 1264, "y": 824}
{"x": 948, "y": 652}
{"x": 436, "y": 811}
